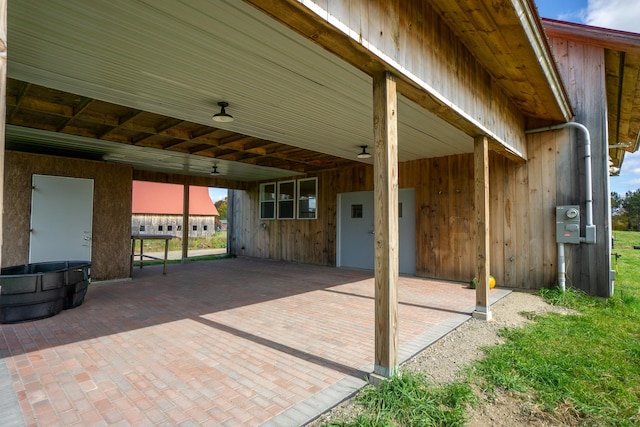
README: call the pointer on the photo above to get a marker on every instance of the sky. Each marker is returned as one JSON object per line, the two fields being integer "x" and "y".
{"x": 616, "y": 14}
{"x": 216, "y": 194}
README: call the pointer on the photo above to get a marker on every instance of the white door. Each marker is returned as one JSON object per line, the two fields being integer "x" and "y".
{"x": 355, "y": 230}
{"x": 61, "y": 219}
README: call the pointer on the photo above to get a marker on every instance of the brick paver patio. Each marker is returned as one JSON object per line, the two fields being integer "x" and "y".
{"x": 229, "y": 342}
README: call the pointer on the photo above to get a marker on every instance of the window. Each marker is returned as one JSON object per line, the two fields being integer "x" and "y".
{"x": 205, "y": 227}
{"x": 268, "y": 200}
{"x": 307, "y": 198}
{"x": 142, "y": 228}
{"x": 286, "y": 199}
{"x": 170, "y": 228}
{"x": 194, "y": 228}
{"x": 356, "y": 211}
{"x": 160, "y": 228}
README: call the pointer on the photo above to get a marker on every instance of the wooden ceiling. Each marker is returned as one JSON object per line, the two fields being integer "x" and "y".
{"x": 505, "y": 37}
{"x": 33, "y": 106}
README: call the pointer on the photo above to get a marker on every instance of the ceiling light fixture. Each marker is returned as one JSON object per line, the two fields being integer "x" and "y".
{"x": 222, "y": 116}
{"x": 363, "y": 154}
{"x": 214, "y": 170}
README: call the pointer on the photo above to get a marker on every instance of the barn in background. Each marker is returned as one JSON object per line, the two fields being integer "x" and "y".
{"x": 158, "y": 209}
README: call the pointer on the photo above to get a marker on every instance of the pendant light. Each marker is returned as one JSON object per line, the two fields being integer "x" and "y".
{"x": 363, "y": 154}
{"x": 222, "y": 116}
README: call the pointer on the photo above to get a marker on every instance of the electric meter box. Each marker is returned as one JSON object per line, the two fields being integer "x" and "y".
{"x": 568, "y": 224}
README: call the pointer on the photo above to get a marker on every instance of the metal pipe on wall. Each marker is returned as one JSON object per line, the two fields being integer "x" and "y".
{"x": 562, "y": 273}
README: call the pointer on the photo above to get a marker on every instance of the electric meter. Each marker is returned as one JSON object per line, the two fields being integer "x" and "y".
{"x": 568, "y": 224}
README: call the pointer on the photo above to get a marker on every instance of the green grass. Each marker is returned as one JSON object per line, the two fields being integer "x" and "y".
{"x": 409, "y": 400}
{"x": 216, "y": 241}
{"x": 584, "y": 365}
{"x": 588, "y": 362}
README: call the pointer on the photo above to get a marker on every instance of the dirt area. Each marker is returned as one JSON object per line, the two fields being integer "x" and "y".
{"x": 442, "y": 362}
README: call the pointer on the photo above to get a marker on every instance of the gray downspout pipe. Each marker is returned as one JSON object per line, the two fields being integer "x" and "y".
{"x": 562, "y": 273}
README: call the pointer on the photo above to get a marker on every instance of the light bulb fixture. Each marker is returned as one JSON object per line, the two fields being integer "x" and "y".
{"x": 363, "y": 154}
{"x": 222, "y": 116}
{"x": 214, "y": 170}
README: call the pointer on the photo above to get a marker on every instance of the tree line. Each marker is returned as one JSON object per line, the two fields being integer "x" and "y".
{"x": 221, "y": 205}
{"x": 625, "y": 211}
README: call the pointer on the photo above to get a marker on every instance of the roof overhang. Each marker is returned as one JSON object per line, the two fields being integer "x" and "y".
{"x": 507, "y": 38}
{"x": 622, "y": 64}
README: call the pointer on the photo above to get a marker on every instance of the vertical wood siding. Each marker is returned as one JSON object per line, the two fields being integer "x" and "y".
{"x": 3, "y": 103}
{"x": 111, "y": 245}
{"x": 522, "y": 217}
{"x": 306, "y": 241}
{"x": 583, "y": 69}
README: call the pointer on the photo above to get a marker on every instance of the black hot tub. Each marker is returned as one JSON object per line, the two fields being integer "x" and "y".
{"x": 39, "y": 290}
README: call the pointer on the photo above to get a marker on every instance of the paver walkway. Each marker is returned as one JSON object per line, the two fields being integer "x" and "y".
{"x": 228, "y": 342}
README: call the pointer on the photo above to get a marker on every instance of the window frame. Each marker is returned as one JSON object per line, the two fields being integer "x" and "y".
{"x": 271, "y": 201}
{"x": 281, "y": 201}
{"x": 299, "y": 199}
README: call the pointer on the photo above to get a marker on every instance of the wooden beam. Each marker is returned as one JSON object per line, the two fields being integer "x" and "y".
{"x": 385, "y": 185}
{"x": 201, "y": 181}
{"x": 56, "y": 109}
{"x": 3, "y": 104}
{"x": 18, "y": 98}
{"x": 481, "y": 180}
{"x": 185, "y": 223}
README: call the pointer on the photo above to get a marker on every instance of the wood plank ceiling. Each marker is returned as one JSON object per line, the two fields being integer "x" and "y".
{"x": 523, "y": 69}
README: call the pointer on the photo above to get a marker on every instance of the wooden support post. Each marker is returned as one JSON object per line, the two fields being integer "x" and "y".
{"x": 185, "y": 223}
{"x": 385, "y": 185}
{"x": 3, "y": 105}
{"x": 481, "y": 179}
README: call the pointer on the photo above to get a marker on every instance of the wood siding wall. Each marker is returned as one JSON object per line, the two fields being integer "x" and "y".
{"x": 522, "y": 207}
{"x": 111, "y": 209}
{"x": 583, "y": 69}
{"x": 306, "y": 241}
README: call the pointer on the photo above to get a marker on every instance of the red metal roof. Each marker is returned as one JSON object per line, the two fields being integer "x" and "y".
{"x": 158, "y": 198}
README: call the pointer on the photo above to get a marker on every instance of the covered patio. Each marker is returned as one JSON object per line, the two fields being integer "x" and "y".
{"x": 229, "y": 342}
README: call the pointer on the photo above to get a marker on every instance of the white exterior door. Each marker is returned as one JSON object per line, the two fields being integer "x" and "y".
{"x": 61, "y": 219}
{"x": 355, "y": 230}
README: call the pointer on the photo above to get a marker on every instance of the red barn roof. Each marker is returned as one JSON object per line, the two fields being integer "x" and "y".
{"x": 158, "y": 198}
